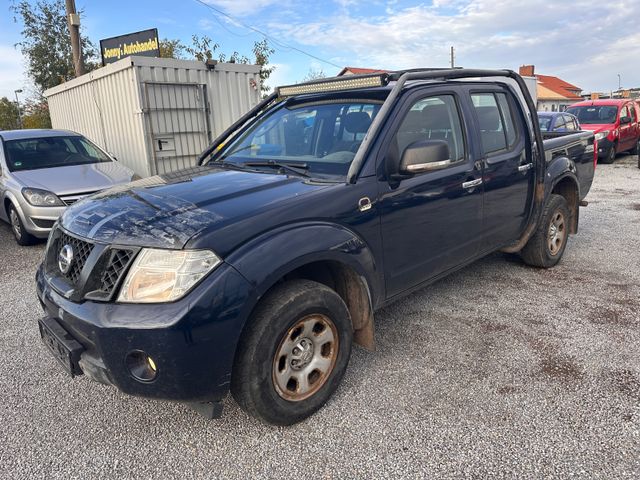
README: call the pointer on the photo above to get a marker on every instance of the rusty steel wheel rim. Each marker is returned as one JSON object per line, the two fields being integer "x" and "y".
{"x": 305, "y": 357}
{"x": 557, "y": 233}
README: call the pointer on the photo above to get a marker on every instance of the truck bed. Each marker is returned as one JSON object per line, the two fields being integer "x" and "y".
{"x": 576, "y": 147}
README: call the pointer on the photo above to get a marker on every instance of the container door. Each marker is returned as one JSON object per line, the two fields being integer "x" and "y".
{"x": 177, "y": 120}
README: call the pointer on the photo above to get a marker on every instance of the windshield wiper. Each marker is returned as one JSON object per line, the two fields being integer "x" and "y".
{"x": 281, "y": 166}
{"x": 239, "y": 149}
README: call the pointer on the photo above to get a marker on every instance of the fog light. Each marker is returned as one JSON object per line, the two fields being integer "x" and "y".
{"x": 141, "y": 366}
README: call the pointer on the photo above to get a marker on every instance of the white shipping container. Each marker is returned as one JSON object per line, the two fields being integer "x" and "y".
{"x": 155, "y": 115}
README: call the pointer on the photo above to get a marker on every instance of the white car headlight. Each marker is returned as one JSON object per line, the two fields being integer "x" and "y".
{"x": 41, "y": 198}
{"x": 601, "y": 135}
{"x": 165, "y": 275}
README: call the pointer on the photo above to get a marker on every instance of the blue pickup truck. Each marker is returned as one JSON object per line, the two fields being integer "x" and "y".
{"x": 256, "y": 270}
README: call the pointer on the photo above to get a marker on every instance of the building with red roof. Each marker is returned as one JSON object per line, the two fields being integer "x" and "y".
{"x": 554, "y": 94}
{"x": 359, "y": 71}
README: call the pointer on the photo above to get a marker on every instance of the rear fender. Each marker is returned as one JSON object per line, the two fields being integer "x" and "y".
{"x": 562, "y": 179}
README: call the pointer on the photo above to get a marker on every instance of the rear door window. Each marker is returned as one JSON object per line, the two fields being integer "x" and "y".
{"x": 495, "y": 120}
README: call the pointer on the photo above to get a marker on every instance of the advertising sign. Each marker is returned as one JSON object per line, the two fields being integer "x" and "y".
{"x": 145, "y": 43}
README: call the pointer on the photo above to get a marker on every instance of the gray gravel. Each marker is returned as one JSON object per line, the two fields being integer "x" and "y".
{"x": 498, "y": 370}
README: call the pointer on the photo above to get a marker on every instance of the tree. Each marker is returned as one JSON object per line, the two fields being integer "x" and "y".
{"x": 263, "y": 51}
{"x": 172, "y": 48}
{"x": 46, "y": 43}
{"x": 36, "y": 115}
{"x": 8, "y": 114}
{"x": 313, "y": 75}
{"x": 204, "y": 48}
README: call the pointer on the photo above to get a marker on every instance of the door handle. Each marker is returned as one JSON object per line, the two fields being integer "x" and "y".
{"x": 524, "y": 168}
{"x": 472, "y": 183}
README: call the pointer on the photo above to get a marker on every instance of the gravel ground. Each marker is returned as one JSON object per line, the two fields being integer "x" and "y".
{"x": 498, "y": 370}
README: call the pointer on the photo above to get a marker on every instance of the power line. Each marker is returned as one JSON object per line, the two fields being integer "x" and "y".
{"x": 265, "y": 35}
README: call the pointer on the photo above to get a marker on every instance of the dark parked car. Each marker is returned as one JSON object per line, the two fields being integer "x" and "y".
{"x": 615, "y": 123}
{"x": 256, "y": 271}
{"x": 558, "y": 122}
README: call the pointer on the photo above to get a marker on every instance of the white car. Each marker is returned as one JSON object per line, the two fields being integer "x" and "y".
{"x": 44, "y": 171}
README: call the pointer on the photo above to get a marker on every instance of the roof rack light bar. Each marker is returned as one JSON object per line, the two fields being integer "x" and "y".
{"x": 336, "y": 84}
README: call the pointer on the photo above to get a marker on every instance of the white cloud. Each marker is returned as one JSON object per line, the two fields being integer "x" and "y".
{"x": 12, "y": 69}
{"x": 282, "y": 75}
{"x": 587, "y": 42}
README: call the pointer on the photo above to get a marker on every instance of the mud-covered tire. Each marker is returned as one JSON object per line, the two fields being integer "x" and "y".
{"x": 546, "y": 246}
{"x": 289, "y": 314}
{"x": 610, "y": 157}
{"x": 23, "y": 237}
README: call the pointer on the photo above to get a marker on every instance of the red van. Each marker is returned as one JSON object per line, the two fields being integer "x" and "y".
{"x": 614, "y": 122}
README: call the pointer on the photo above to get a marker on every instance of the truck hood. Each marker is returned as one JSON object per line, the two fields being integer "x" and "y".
{"x": 165, "y": 211}
{"x": 75, "y": 178}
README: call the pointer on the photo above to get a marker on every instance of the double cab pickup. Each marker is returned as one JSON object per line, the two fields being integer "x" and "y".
{"x": 256, "y": 270}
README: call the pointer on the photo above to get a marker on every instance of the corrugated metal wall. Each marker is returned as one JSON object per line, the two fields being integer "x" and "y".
{"x": 104, "y": 106}
{"x": 151, "y": 113}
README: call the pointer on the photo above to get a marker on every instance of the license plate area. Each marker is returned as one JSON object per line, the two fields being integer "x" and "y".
{"x": 62, "y": 345}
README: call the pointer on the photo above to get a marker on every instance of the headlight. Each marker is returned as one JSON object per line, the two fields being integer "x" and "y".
{"x": 165, "y": 275}
{"x": 601, "y": 135}
{"x": 41, "y": 198}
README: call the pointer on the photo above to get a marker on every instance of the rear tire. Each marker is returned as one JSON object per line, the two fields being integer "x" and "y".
{"x": 546, "y": 247}
{"x": 293, "y": 354}
{"x": 636, "y": 149}
{"x": 23, "y": 237}
{"x": 610, "y": 157}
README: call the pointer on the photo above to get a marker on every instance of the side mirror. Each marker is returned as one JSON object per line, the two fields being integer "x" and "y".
{"x": 624, "y": 120}
{"x": 424, "y": 156}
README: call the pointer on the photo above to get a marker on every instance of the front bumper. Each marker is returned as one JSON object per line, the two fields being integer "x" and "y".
{"x": 604, "y": 144}
{"x": 39, "y": 220}
{"x": 192, "y": 341}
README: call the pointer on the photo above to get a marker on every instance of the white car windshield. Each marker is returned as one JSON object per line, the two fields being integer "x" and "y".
{"x": 50, "y": 152}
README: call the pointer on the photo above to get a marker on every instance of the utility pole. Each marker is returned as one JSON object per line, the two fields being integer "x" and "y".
{"x": 73, "y": 19}
{"x": 18, "y": 106}
{"x": 452, "y": 57}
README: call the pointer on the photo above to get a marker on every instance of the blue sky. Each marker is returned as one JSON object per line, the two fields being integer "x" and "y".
{"x": 586, "y": 42}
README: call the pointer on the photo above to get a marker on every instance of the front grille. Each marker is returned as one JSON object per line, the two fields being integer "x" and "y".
{"x": 71, "y": 199}
{"x": 102, "y": 275}
{"x": 81, "y": 251}
{"x": 117, "y": 264}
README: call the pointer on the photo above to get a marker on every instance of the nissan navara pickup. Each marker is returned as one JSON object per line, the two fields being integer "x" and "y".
{"x": 257, "y": 269}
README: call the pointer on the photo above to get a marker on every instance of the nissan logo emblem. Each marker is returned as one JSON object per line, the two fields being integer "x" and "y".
{"x": 65, "y": 259}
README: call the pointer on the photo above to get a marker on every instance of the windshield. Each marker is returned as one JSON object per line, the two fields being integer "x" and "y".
{"x": 595, "y": 114}
{"x": 322, "y": 138}
{"x": 50, "y": 152}
{"x": 545, "y": 122}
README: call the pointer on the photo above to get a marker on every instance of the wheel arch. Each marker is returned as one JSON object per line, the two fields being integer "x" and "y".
{"x": 567, "y": 187}
{"x": 331, "y": 255}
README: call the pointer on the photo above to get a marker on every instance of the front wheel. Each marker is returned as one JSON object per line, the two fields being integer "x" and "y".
{"x": 546, "y": 246}
{"x": 17, "y": 227}
{"x": 610, "y": 157}
{"x": 293, "y": 353}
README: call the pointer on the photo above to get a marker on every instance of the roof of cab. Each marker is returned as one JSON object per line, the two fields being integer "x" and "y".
{"x": 34, "y": 133}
